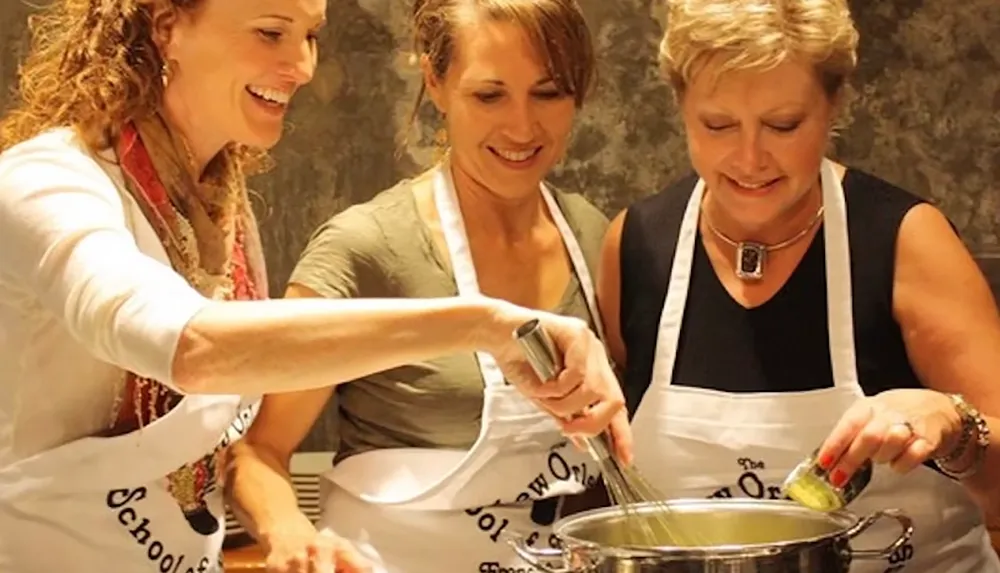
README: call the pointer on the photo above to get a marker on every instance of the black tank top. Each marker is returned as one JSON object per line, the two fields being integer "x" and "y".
{"x": 782, "y": 345}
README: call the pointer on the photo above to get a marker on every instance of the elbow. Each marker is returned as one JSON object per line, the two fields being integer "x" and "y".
{"x": 190, "y": 368}
{"x": 210, "y": 353}
{"x": 188, "y": 383}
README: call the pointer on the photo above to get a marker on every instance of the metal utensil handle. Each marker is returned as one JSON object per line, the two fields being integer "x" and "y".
{"x": 905, "y": 523}
{"x": 547, "y": 363}
{"x": 539, "y": 349}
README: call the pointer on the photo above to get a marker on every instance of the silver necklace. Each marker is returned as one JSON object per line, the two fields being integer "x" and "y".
{"x": 750, "y": 255}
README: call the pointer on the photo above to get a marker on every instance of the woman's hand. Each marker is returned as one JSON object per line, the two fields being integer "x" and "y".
{"x": 585, "y": 397}
{"x": 299, "y": 548}
{"x": 902, "y": 428}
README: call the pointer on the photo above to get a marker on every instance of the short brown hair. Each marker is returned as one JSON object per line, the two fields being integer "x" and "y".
{"x": 555, "y": 28}
{"x": 759, "y": 34}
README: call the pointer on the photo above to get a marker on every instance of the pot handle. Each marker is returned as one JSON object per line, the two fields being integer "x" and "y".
{"x": 906, "y": 526}
{"x": 538, "y": 558}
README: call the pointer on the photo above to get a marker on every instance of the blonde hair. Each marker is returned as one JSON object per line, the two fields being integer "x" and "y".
{"x": 759, "y": 34}
{"x": 556, "y": 29}
{"x": 94, "y": 65}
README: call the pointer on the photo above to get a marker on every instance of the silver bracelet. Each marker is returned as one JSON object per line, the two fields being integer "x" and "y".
{"x": 973, "y": 425}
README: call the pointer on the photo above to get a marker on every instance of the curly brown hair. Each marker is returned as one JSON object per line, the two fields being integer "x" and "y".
{"x": 94, "y": 65}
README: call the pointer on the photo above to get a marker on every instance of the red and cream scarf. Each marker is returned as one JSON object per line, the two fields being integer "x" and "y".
{"x": 210, "y": 236}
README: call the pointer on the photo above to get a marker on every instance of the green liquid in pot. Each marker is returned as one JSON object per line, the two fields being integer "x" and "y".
{"x": 712, "y": 526}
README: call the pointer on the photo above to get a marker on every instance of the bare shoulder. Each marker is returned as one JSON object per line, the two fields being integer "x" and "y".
{"x": 931, "y": 255}
{"x": 944, "y": 306}
{"x": 609, "y": 288}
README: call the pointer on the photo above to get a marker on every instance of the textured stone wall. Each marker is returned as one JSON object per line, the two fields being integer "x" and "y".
{"x": 928, "y": 115}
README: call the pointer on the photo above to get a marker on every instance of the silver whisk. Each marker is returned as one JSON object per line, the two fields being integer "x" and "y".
{"x": 647, "y": 520}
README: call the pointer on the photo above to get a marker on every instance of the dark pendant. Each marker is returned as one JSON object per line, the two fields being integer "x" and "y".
{"x": 750, "y": 261}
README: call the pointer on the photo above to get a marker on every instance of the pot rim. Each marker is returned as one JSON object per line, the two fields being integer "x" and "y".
{"x": 843, "y": 520}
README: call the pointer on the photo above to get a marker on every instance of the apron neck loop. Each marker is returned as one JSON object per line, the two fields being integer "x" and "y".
{"x": 838, "y": 280}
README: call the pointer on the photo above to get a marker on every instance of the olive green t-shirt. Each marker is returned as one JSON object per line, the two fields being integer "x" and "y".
{"x": 383, "y": 249}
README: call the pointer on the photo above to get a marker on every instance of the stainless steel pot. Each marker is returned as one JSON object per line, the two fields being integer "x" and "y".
{"x": 735, "y": 536}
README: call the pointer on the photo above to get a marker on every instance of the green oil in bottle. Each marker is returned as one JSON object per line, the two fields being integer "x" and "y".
{"x": 809, "y": 485}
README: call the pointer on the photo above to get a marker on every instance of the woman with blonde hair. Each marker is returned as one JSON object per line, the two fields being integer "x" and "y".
{"x": 776, "y": 301}
{"x": 438, "y": 461}
{"x": 134, "y": 337}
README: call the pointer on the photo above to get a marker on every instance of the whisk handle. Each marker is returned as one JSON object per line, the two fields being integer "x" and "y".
{"x": 541, "y": 353}
{"x": 539, "y": 349}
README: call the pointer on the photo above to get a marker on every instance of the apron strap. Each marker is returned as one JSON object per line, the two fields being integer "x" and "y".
{"x": 838, "y": 278}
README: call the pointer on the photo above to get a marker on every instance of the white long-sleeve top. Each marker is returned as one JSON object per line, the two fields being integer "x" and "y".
{"x": 86, "y": 290}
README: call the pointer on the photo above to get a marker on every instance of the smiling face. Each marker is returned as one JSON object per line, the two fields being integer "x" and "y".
{"x": 508, "y": 122}
{"x": 235, "y": 64}
{"x": 757, "y": 138}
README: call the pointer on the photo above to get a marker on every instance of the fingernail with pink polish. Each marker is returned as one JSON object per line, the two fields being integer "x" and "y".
{"x": 825, "y": 461}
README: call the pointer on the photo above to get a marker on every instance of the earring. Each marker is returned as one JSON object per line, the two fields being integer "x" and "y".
{"x": 165, "y": 73}
{"x": 440, "y": 144}
{"x": 441, "y": 137}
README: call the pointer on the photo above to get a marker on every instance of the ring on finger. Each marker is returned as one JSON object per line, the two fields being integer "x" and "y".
{"x": 898, "y": 437}
{"x": 910, "y": 431}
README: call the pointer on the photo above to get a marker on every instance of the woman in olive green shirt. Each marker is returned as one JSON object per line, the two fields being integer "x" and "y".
{"x": 439, "y": 439}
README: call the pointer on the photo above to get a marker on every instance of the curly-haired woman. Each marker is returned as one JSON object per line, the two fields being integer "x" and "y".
{"x": 132, "y": 341}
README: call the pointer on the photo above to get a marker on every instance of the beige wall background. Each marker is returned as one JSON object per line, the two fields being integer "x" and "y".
{"x": 927, "y": 117}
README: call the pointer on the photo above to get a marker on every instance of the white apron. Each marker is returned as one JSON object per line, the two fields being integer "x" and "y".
{"x": 102, "y": 504}
{"x": 422, "y": 510}
{"x": 98, "y": 505}
{"x": 706, "y": 443}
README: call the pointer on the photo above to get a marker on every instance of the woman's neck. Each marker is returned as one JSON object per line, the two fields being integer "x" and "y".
{"x": 195, "y": 143}
{"x": 789, "y": 223}
{"x": 513, "y": 217}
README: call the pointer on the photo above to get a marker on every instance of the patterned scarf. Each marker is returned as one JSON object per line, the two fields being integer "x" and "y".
{"x": 210, "y": 237}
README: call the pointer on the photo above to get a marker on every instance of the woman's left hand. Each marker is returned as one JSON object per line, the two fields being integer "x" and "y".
{"x": 902, "y": 428}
